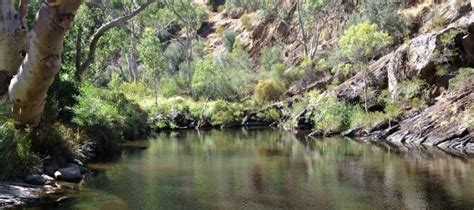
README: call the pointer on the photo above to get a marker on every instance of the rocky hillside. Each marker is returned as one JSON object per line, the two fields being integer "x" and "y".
{"x": 431, "y": 55}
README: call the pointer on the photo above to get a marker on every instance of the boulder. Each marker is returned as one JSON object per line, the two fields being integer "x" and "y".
{"x": 69, "y": 174}
{"x": 36, "y": 180}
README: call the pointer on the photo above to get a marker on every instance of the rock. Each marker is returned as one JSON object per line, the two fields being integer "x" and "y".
{"x": 37, "y": 180}
{"x": 443, "y": 124}
{"x": 15, "y": 194}
{"x": 418, "y": 57}
{"x": 82, "y": 169}
{"x": 353, "y": 132}
{"x": 352, "y": 90}
{"x": 69, "y": 174}
{"x": 236, "y": 12}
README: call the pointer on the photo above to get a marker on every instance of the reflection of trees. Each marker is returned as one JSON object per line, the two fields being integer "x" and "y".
{"x": 271, "y": 169}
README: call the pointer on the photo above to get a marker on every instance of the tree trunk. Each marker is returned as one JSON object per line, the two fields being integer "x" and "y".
{"x": 13, "y": 41}
{"x": 28, "y": 89}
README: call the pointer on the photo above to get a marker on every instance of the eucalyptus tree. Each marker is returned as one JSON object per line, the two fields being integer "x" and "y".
{"x": 360, "y": 43}
{"x": 30, "y": 59}
{"x": 119, "y": 12}
{"x": 312, "y": 18}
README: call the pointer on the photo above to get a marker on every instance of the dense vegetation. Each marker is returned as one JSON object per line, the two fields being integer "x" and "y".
{"x": 165, "y": 69}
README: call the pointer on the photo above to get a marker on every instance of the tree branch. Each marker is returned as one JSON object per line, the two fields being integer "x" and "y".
{"x": 101, "y": 31}
{"x": 23, "y": 11}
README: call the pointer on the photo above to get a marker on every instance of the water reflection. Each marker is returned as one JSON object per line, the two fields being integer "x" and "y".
{"x": 276, "y": 170}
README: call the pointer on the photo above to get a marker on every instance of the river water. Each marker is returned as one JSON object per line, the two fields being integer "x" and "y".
{"x": 266, "y": 169}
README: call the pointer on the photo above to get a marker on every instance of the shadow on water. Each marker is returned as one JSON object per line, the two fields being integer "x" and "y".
{"x": 266, "y": 169}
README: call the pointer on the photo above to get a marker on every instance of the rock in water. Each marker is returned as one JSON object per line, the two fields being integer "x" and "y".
{"x": 69, "y": 174}
{"x": 443, "y": 124}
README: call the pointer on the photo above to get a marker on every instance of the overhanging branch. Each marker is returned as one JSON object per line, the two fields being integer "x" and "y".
{"x": 101, "y": 31}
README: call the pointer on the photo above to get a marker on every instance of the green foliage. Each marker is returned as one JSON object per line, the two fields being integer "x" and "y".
{"x": 250, "y": 5}
{"x": 150, "y": 53}
{"x": 270, "y": 114}
{"x": 108, "y": 117}
{"x": 209, "y": 82}
{"x": 16, "y": 157}
{"x": 223, "y": 113}
{"x": 392, "y": 111}
{"x": 361, "y": 119}
{"x": 229, "y": 38}
{"x": 268, "y": 91}
{"x": 464, "y": 78}
{"x": 435, "y": 20}
{"x": 412, "y": 88}
{"x": 271, "y": 55}
{"x": 227, "y": 76}
{"x": 362, "y": 40}
{"x": 247, "y": 22}
{"x": 382, "y": 13}
{"x": 169, "y": 87}
{"x": 332, "y": 115}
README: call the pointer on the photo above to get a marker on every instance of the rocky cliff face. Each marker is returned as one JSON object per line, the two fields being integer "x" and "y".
{"x": 447, "y": 122}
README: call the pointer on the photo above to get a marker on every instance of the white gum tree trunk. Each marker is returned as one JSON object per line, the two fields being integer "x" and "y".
{"x": 13, "y": 42}
{"x": 28, "y": 89}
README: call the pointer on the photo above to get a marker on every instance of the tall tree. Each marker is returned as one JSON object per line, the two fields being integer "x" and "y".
{"x": 33, "y": 55}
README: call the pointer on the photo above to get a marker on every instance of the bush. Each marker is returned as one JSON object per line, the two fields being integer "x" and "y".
{"x": 332, "y": 115}
{"x": 464, "y": 78}
{"x": 362, "y": 119}
{"x": 250, "y": 5}
{"x": 268, "y": 91}
{"x": 169, "y": 87}
{"x": 435, "y": 20}
{"x": 229, "y": 38}
{"x": 108, "y": 117}
{"x": 16, "y": 157}
{"x": 413, "y": 93}
{"x": 224, "y": 114}
{"x": 247, "y": 22}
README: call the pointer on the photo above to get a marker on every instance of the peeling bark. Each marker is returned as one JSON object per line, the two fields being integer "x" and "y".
{"x": 13, "y": 42}
{"x": 28, "y": 89}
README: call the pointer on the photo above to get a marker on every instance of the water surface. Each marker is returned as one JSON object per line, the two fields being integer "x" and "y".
{"x": 276, "y": 170}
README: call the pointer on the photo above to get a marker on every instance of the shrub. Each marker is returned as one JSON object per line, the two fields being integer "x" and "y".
{"x": 250, "y": 5}
{"x": 224, "y": 114}
{"x": 361, "y": 119}
{"x": 382, "y": 13}
{"x": 332, "y": 115}
{"x": 229, "y": 38}
{"x": 16, "y": 157}
{"x": 270, "y": 55}
{"x": 435, "y": 20}
{"x": 108, "y": 117}
{"x": 413, "y": 93}
{"x": 464, "y": 78}
{"x": 169, "y": 87}
{"x": 268, "y": 91}
{"x": 247, "y": 22}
